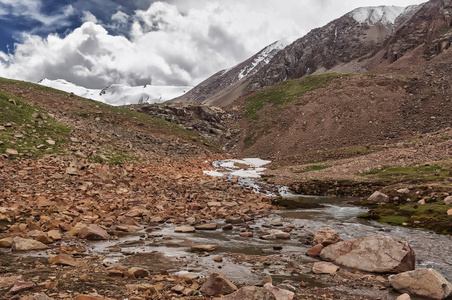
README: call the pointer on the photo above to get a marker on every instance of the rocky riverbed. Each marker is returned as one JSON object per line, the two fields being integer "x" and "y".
{"x": 57, "y": 249}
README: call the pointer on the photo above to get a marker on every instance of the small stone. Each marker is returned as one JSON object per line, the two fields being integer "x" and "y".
{"x": 421, "y": 202}
{"x": 50, "y": 142}
{"x": 203, "y": 248}
{"x": 185, "y": 229}
{"x": 72, "y": 171}
{"x": 64, "y": 260}
{"x": 206, "y": 227}
{"x": 404, "y": 297}
{"x": 246, "y": 234}
{"x": 11, "y": 152}
{"x": 44, "y": 238}
{"x": 277, "y": 247}
{"x": 228, "y": 227}
{"x": 448, "y": 200}
{"x": 218, "y": 284}
{"x": 21, "y": 244}
{"x": 315, "y": 251}
{"x": 379, "y": 197}
{"x": 6, "y": 242}
{"x": 136, "y": 272}
{"x": 265, "y": 280}
{"x": 178, "y": 289}
{"x": 218, "y": 259}
{"x": 20, "y": 286}
{"x": 325, "y": 236}
{"x": 93, "y": 232}
{"x": 403, "y": 191}
{"x": 449, "y": 212}
{"x": 324, "y": 268}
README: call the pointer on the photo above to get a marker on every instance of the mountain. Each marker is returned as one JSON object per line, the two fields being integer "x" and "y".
{"x": 119, "y": 94}
{"x": 223, "y": 87}
{"x": 343, "y": 45}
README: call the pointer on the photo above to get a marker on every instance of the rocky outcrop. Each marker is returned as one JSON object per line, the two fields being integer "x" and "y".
{"x": 378, "y": 253}
{"x": 422, "y": 282}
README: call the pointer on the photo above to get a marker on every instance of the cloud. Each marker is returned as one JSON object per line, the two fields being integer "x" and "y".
{"x": 169, "y": 43}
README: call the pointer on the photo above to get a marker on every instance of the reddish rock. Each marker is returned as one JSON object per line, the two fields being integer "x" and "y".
{"x": 63, "y": 259}
{"x": 324, "y": 268}
{"x": 93, "y": 232}
{"x": 20, "y": 286}
{"x": 21, "y": 244}
{"x": 218, "y": 284}
{"x": 314, "y": 251}
{"x": 325, "y": 236}
{"x": 250, "y": 293}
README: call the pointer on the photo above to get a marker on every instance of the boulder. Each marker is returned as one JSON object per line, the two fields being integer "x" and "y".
{"x": 11, "y": 152}
{"x": 324, "y": 268}
{"x": 315, "y": 251}
{"x": 251, "y": 293}
{"x": 93, "y": 232}
{"x": 378, "y": 197}
{"x": 137, "y": 272}
{"x": 64, "y": 260}
{"x": 185, "y": 229}
{"x": 279, "y": 293}
{"x": 325, "y": 236}
{"x": 422, "y": 282}
{"x": 218, "y": 284}
{"x": 21, "y": 244}
{"x": 276, "y": 235}
{"x": 378, "y": 253}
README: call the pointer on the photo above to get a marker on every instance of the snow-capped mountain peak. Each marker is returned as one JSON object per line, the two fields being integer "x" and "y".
{"x": 120, "y": 94}
{"x": 378, "y": 14}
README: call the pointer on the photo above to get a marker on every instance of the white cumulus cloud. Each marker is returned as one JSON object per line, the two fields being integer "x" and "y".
{"x": 171, "y": 43}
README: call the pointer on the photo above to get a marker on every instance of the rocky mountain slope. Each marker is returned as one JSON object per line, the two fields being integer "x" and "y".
{"x": 358, "y": 42}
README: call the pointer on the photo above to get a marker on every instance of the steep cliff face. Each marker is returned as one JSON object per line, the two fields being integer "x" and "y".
{"x": 431, "y": 25}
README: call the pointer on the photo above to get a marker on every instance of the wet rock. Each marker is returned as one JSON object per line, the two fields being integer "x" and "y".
{"x": 203, "y": 248}
{"x": 288, "y": 287}
{"x": 315, "y": 251}
{"x": 21, "y": 244}
{"x": 325, "y": 236}
{"x": 324, "y": 268}
{"x": 206, "y": 227}
{"x": 185, "y": 229}
{"x": 20, "y": 286}
{"x": 448, "y": 200}
{"x": 276, "y": 235}
{"x": 228, "y": 227}
{"x": 246, "y": 234}
{"x": 251, "y": 293}
{"x": 64, "y": 260}
{"x": 277, "y": 247}
{"x": 218, "y": 284}
{"x": 378, "y": 197}
{"x": 93, "y": 232}
{"x": 422, "y": 282}
{"x": 280, "y": 294}
{"x": 404, "y": 297}
{"x": 235, "y": 220}
{"x": 137, "y": 272}
{"x": 380, "y": 254}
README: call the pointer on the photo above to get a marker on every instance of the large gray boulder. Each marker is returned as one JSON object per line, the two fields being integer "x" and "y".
{"x": 422, "y": 282}
{"x": 378, "y": 197}
{"x": 378, "y": 253}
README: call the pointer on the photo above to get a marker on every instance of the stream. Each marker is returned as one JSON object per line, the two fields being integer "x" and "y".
{"x": 432, "y": 250}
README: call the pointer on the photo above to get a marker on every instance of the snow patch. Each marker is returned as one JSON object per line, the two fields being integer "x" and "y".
{"x": 265, "y": 56}
{"x": 378, "y": 14}
{"x": 119, "y": 94}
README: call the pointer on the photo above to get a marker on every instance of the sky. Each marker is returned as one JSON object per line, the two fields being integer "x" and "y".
{"x": 96, "y": 43}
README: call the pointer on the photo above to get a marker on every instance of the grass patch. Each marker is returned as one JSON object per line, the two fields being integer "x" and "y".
{"x": 431, "y": 216}
{"x": 28, "y": 127}
{"x": 310, "y": 168}
{"x": 285, "y": 92}
{"x": 410, "y": 174}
